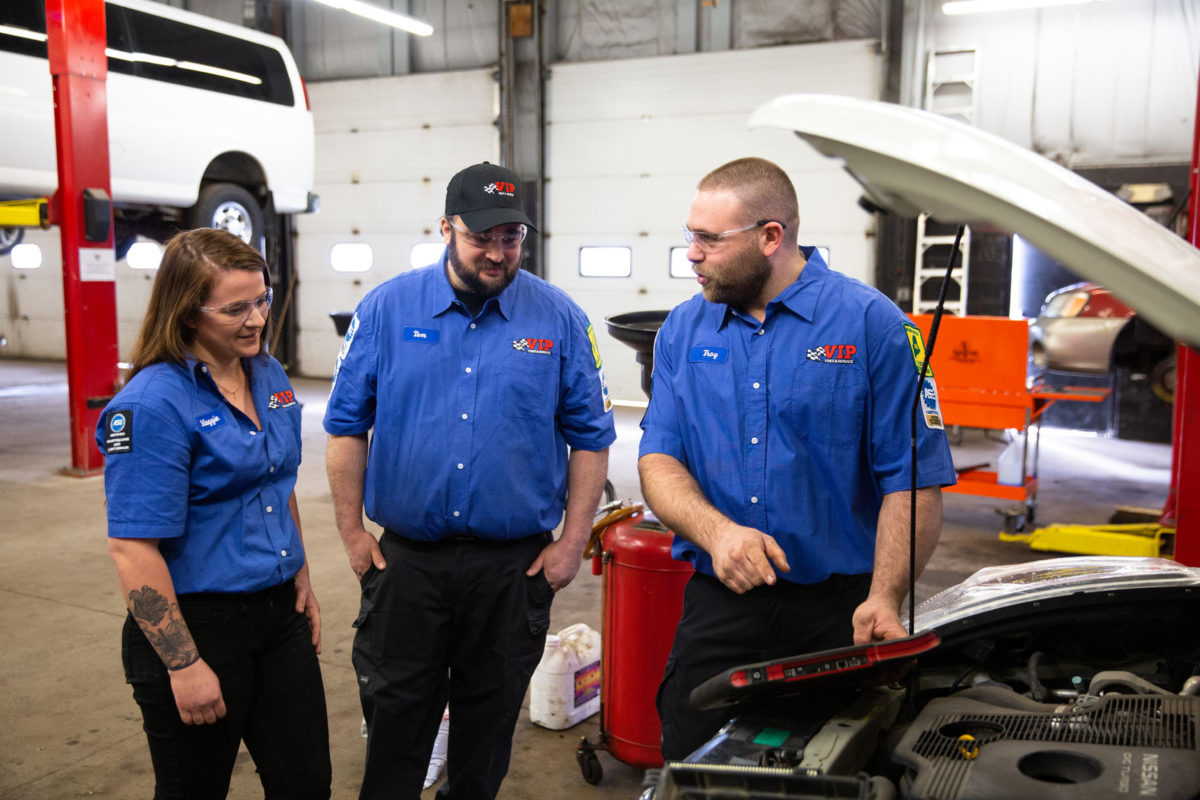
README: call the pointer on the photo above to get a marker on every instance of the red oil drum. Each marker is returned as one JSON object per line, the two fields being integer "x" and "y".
{"x": 643, "y": 599}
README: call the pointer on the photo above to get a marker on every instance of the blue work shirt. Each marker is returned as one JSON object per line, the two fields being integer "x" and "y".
{"x": 799, "y": 425}
{"x": 471, "y": 416}
{"x": 184, "y": 466}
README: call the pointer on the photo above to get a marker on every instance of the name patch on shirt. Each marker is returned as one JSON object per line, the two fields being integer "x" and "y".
{"x": 543, "y": 347}
{"x": 118, "y": 436}
{"x": 706, "y": 354}
{"x": 210, "y": 421}
{"x": 422, "y": 335}
{"x": 282, "y": 400}
{"x": 832, "y": 353}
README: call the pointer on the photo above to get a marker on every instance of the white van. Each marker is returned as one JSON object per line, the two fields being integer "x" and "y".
{"x": 208, "y": 122}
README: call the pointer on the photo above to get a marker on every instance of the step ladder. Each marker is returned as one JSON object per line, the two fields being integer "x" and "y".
{"x": 950, "y": 81}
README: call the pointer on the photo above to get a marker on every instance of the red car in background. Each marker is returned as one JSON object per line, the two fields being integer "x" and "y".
{"x": 1085, "y": 328}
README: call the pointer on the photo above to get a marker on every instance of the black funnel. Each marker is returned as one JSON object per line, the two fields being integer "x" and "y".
{"x": 638, "y": 329}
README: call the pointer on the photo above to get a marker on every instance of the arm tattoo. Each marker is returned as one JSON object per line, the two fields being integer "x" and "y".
{"x": 169, "y": 637}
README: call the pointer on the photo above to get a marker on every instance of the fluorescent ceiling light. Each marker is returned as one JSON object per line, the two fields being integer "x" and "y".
{"x": 378, "y": 14}
{"x": 981, "y": 6}
{"x": 21, "y": 33}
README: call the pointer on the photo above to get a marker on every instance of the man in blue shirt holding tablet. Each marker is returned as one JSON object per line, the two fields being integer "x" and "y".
{"x": 482, "y": 390}
{"x": 777, "y": 447}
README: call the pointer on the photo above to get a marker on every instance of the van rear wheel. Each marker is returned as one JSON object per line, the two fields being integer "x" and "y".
{"x": 10, "y": 238}
{"x": 228, "y": 207}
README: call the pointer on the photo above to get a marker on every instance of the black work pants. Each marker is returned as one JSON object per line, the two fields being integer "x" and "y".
{"x": 721, "y": 629}
{"x": 455, "y": 620}
{"x": 261, "y": 651}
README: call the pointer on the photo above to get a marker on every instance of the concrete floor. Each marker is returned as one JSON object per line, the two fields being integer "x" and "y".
{"x": 71, "y": 729}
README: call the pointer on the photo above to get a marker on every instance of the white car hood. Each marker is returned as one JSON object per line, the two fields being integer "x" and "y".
{"x": 911, "y": 161}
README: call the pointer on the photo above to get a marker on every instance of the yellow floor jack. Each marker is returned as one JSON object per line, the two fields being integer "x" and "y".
{"x": 1131, "y": 532}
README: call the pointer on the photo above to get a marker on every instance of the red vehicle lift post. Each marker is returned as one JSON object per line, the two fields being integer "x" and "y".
{"x": 1183, "y": 502}
{"x": 82, "y": 209}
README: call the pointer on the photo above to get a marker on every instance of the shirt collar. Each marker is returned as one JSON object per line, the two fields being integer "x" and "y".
{"x": 444, "y": 298}
{"x": 193, "y": 365}
{"x": 800, "y": 297}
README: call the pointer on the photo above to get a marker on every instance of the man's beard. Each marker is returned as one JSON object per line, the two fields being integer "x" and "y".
{"x": 471, "y": 278}
{"x": 740, "y": 281}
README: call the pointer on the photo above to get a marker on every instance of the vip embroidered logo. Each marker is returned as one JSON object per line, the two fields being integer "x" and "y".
{"x": 502, "y": 188}
{"x": 543, "y": 347}
{"x": 832, "y": 353}
{"x": 282, "y": 400}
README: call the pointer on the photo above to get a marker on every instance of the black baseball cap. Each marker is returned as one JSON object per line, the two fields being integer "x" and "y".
{"x": 486, "y": 195}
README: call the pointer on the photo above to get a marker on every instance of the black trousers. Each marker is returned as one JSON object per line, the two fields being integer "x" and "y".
{"x": 456, "y": 620}
{"x": 261, "y": 651}
{"x": 721, "y": 629}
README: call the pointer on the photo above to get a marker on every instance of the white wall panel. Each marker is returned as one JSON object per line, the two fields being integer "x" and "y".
{"x": 31, "y": 306}
{"x": 628, "y": 140}
{"x": 386, "y": 148}
{"x": 1088, "y": 85}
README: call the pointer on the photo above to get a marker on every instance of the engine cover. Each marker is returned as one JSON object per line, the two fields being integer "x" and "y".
{"x": 1117, "y": 746}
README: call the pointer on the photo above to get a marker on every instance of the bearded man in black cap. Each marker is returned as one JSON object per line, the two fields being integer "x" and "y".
{"x": 469, "y": 417}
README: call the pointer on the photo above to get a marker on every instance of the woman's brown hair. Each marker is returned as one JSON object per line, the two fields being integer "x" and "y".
{"x": 190, "y": 263}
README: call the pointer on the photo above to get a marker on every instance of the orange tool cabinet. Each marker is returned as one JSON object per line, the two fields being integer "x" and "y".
{"x": 980, "y": 366}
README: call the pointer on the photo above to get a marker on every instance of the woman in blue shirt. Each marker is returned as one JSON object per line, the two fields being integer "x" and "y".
{"x": 202, "y": 450}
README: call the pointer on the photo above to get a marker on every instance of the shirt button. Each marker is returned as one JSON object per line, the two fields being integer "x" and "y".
{"x": 468, "y": 369}
{"x": 753, "y": 440}
{"x": 472, "y": 326}
{"x": 283, "y": 552}
{"x": 272, "y": 468}
{"x": 760, "y": 331}
{"x": 753, "y": 499}
{"x": 464, "y": 416}
{"x": 254, "y": 433}
{"x": 756, "y": 384}
{"x": 460, "y": 466}
{"x": 456, "y": 513}
{"x": 269, "y": 509}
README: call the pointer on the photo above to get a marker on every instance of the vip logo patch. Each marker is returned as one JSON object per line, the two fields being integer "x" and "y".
{"x": 832, "y": 353}
{"x": 502, "y": 188}
{"x": 282, "y": 400}
{"x": 118, "y": 436}
{"x": 543, "y": 347}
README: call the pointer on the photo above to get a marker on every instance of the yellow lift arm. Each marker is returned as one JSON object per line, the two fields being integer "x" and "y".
{"x": 33, "y": 213}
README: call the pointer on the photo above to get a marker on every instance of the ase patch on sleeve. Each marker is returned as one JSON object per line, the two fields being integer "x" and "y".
{"x": 118, "y": 432}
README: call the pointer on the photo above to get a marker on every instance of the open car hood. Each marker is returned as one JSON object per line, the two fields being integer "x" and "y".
{"x": 911, "y": 161}
{"x": 1079, "y": 604}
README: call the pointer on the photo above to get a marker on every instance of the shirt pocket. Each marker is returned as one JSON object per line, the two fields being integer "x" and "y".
{"x": 530, "y": 382}
{"x": 826, "y": 407}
